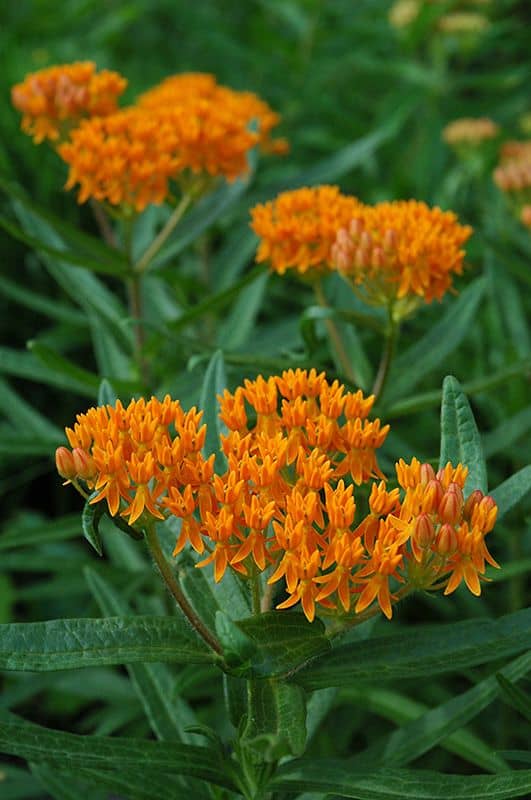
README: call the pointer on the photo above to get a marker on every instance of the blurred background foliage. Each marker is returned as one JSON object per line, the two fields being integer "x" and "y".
{"x": 363, "y": 103}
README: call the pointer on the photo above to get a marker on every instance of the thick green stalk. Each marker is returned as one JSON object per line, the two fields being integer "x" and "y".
{"x": 149, "y": 254}
{"x": 175, "y": 590}
{"x": 335, "y": 337}
{"x": 388, "y": 351}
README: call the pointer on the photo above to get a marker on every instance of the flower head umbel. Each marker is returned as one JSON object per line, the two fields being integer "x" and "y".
{"x": 298, "y": 449}
{"x": 401, "y": 251}
{"x": 55, "y": 99}
{"x": 136, "y": 457}
{"x": 298, "y": 228}
{"x": 188, "y": 130}
{"x": 513, "y": 177}
{"x": 470, "y": 131}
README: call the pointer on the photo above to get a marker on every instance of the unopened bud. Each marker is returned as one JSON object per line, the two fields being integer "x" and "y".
{"x": 377, "y": 258}
{"x": 366, "y": 241}
{"x": 473, "y": 499}
{"x": 446, "y": 540}
{"x": 84, "y": 464}
{"x": 423, "y": 531}
{"x": 432, "y": 495}
{"x": 343, "y": 239}
{"x": 65, "y": 463}
{"x": 427, "y": 474}
{"x": 451, "y": 507}
{"x": 389, "y": 239}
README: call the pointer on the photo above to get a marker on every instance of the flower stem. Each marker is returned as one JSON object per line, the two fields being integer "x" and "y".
{"x": 335, "y": 337}
{"x": 102, "y": 220}
{"x": 175, "y": 590}
{"x": 256, "y": 598}
{"x": 388, "y": 351}
{"x": 150, "y": 253}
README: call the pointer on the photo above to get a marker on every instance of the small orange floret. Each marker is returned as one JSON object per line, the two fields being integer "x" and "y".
{"x": 55, "y": 99}
{"x": 401, "y": 249}
{"x": 298, "y": 228}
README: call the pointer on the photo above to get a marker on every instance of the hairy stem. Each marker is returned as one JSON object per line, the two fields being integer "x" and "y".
{"x": 335, "y": 337}
{"x": 175, "y": 590}
{"x": 388, "y": 351}
{"x": 150, "y": 253}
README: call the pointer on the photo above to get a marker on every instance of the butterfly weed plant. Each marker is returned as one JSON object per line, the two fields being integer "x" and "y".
{"x": 269, "y": 537}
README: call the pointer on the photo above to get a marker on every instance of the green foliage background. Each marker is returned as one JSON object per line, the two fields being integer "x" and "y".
{"x": 362, "y": 105}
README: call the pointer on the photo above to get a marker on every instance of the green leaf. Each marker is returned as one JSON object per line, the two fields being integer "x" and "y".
{"x": 43, "y": 305}
{"x": 425, "y": 650}
{"x": 238, "y": 648}
{"x": 511, "y": 491}
{"x": 68, "y": 643}
{"x": 90, "y": 519}
{"x": 28, "y": 530}
{"x": 95, "y": 265}
{"x": 336, "y": 777}
{"x": 65, "y": 785}
{"x": 510, "y": 430}
{"x": 167, "y": 713}
{"x": 485, "y": 384}
{"x": 515, "y": 696}
{"x": 214, "y": 383}
{"x": 283, "y": 642}
{"x": 107, "y": 394}
{"x": 236, "y": 329}
{"x": 26, "y": 365}
{"x": 431, "y": 728}
{"x": 55, "y": 748}
{"x": 17, "y": 784}
{"x": 63, "y": 366}
{"x": 205, "y": 213}
{"x": 441, "y": 340}
{"x": 276, "y": 720}
{"x": 460, "y": 439}
{"x": 26, "y": 418}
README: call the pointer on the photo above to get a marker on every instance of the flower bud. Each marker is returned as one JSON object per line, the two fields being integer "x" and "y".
{"x": 451, "y": 505}
{"x": 446, "y": 540}
{"x": 423, "y": 531}
{"x": 65, "y": 463}
{"x": 427, "y": 474}
{"x": 473, "y": 499}
{"x": 355, "y": 228}
{"x": 84, "y": 464}
{"x": 432, "y": 495}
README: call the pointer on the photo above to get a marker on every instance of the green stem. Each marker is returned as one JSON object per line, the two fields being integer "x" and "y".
{"x": 335, "y": 337}
{"x": 102, "y": 220}
{"x": 175, "y": 590}
{"x": 149, "y": 254}
{"x": 343, "y": 627}
{"x": 256, "y": 597}
{"x": 388, "y": 351}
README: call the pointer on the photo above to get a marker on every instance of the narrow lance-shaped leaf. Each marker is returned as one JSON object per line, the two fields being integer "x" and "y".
{"x": 511, "y": 491}
{"x": 423, "y": 651}
{"x": 460, "y": 439}
{"x": 69, "y": 643}
{"x": 214, "y": 383}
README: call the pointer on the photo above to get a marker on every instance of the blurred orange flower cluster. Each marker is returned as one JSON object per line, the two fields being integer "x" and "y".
{"x": 392, "y": 250}
{"x": 513, "y": 177}
{"x": 296, "y": 448}
{"x": 55, "y": 99}
{"x": 189, "y": 126}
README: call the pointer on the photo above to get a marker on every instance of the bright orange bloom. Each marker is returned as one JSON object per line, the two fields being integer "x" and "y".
{"x": 187, "y": 126}
{"x": 402, "y": 249}
{"x": 288, "y": 510}
{"x": 139, "y": 458}
{"x": 55, "y": 99}
{"x": 298, "y": 228}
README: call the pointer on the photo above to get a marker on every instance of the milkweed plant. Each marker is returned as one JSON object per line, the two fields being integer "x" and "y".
{"x": 268, "y": 547}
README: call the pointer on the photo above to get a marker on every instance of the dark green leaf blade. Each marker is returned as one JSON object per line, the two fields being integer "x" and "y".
{"x": 460, "y": 439}
{"x": 428, "y": 650}
{"x": 63, "y": 644}
{"x": 511, "y": 491}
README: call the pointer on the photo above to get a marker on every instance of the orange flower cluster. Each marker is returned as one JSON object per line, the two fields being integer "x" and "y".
{"x": 137, "y": 458}
{"x": 470, "y": 131}
{"x": 187, "y": 124}
{"x": 55, "y": 99}
{"x": 401, "y": 249}
{"x": 296, "y": 448}
{"x": 298, "y": 228}
{"x": 513, "y": 174}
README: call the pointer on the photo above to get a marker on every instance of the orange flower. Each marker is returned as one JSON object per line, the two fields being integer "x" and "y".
{"x": 55, "y": 99}
{"x": 298, "y": 228}
{"x": 140, "y": 457}
{"x": 187, "y": 126}
{"x": 402, "y": 249}
{"x": 470, "y": 131}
